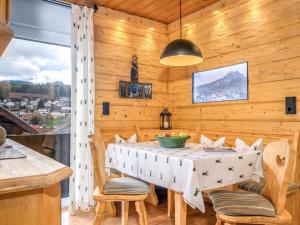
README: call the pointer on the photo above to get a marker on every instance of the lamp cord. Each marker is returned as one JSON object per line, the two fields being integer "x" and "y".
{"x": 180, "y": 20}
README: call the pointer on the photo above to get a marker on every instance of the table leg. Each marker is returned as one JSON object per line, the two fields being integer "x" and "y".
{"x": 152, "y": 197}
{"x": 180, "y": 209}
{"x": 170, "y": 203}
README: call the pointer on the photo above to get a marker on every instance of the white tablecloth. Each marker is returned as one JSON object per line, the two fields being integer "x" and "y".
{"x": 188, "y": 170}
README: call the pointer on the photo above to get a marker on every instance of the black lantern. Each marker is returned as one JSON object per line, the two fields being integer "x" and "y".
{"x": 165, "y": 120}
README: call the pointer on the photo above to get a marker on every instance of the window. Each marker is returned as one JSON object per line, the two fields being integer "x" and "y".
{"x": 35, "y": 97}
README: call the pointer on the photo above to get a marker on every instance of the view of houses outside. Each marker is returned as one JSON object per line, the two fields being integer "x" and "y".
{"x": 35, "y": 98}
{"x": 42, "y": 106}
{"x": 35, "y": 84}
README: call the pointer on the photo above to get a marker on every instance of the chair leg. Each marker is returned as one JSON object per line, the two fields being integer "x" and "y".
{"x": 125, "y": 212}
{"x": 152, "y": 197}
{"x": 100, "y": 208}
{"x": 111, "y": 209}
{"x": 141, "y": 210}
{"x": 171, "y": 205}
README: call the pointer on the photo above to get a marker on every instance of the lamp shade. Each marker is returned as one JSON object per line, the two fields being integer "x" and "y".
{"x": 181, "y": 52}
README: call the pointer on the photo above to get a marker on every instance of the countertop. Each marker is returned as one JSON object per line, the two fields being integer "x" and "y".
{"x": 34, "y": 171}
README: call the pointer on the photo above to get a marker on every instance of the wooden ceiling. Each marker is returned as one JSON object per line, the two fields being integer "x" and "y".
{"x": 164, "y": 11}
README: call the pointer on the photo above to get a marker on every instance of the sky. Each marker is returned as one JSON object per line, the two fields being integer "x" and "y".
{"x": 35, "y": 62}
{"x": 205, "y": 77}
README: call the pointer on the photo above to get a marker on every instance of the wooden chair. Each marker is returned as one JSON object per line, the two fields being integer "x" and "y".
{"x": 107, "y": 191}
{"x": 152, "y": 198}
{"x": 268, "y": 208}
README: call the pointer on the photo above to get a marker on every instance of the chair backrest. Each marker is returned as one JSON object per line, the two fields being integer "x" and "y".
{"x": 97, "y": 147}
{"x": 279, "y": 163}
{"x": 108, "y": 134}
{"x": 139, "y": 134}
{"x": 248, "y": 137}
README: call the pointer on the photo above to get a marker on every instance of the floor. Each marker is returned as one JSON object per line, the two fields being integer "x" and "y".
{"x": 156, "y": 216}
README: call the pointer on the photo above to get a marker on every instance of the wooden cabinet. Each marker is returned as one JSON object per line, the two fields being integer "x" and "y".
{"x": 6, "y": 33}
{"x": 30, "y": 188}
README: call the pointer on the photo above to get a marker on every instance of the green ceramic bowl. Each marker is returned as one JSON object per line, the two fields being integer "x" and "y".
{"x": 172, "y": 142}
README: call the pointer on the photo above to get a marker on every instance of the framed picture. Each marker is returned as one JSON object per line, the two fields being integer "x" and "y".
{"x": 135, "y": 90}
{"x": 229, "y": 83}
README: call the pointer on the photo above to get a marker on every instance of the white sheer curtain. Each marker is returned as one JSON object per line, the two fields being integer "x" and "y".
{"x": 83, "y": 102}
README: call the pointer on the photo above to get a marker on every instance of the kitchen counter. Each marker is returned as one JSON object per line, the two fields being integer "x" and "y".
{"x": 30, "y": 188}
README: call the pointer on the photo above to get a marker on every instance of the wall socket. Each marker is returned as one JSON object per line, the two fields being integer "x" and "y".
{"x": 105, "y": 109}
{"x": 290, "y": 105}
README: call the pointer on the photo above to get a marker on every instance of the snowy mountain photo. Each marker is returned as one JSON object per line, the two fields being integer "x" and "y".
{"x": 223, "y": 84}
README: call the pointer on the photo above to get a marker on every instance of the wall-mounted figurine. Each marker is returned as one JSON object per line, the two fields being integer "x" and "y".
{"x": 134, "y": 89}
{"x": 134, "y": 69}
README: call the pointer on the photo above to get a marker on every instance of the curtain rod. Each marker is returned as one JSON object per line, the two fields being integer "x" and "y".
{"x": 67, "y": 4}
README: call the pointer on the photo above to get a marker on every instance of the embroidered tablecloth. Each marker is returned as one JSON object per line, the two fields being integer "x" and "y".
{"x": 189, "y": 170}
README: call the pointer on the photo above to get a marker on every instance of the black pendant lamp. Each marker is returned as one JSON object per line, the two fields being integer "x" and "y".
{"x": 181, "y": 52}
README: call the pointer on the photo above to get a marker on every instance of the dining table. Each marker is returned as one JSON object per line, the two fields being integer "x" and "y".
{"x": 187, "y": 171}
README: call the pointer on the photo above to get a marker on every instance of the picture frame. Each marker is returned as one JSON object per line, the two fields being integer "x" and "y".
{"x": 228, "y": 83}
{"x": 135, "y": 90}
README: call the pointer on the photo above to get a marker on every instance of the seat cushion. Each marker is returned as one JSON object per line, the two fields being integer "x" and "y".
{"x": 241, "y": 204}
{"x": 125, "y": 186}
{"x": 251, "y": 186}
{"x": 257, "y": 187}
{"x": 292, "y": 186}
{"x": 115, "y": 171}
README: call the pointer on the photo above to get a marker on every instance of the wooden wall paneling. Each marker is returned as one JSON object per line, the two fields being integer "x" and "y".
{"x": 260, "y": 92}
{"x": 112, "y": 19}
{"x": 113, "y": 98}
{"x": 113, "y": 67}
{"x": 266, "y": 34}
{"x": 238, "y": 125}
{"x": 128, "y": 124}
{"x": 206, "y": 13}
{"x": 238, "y": 16}
{"x": 117, "y": 37}
{"x": 285, "y": 69}
{"x": 259, "y": 111}
{"x": 134, "y": 113}
{"x": 230, "y": 32}
{"x": 108, "y": 51}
